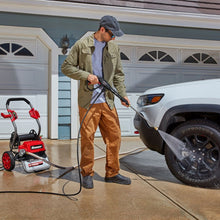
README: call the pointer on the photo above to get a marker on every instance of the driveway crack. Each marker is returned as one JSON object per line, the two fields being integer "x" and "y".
{"x": 163, "y": 194}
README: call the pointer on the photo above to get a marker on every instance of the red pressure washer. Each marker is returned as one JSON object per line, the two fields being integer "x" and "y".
{"x": 29, "y": 149}
{"x": 25, "y": 147}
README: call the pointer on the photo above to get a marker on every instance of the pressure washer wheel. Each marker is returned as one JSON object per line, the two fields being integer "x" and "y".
{"x": 8, "y": 160}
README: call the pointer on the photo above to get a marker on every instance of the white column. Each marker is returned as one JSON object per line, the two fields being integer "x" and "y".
{"x": 74, "y": 109}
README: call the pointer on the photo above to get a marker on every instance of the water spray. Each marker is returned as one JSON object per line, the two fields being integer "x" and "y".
{"x": 177, "y": 146}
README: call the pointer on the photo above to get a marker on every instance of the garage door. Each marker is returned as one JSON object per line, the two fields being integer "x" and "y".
{"x": 23, "y": 73}
{"x": 148, "y": 67}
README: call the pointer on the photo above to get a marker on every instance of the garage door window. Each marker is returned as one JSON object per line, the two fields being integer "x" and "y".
{"x": 14, "y": 49}
{"x": 201, "y": 58}
{"x": 158, "y": 56}
{"x": 123, "y": 56}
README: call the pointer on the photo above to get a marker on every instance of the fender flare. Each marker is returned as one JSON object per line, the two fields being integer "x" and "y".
{"x": 169, "y": 119}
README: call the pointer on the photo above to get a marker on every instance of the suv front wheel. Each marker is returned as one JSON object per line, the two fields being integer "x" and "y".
{"x": 201, "y": 167}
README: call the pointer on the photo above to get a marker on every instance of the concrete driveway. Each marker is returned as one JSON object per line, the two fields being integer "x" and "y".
{"x": 153, "y": 194}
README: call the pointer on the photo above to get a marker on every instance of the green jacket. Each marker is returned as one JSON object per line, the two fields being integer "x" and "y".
{"x": 78, "y": 65}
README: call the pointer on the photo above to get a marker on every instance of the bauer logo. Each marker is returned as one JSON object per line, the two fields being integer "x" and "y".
{"x": 36, "y": 147}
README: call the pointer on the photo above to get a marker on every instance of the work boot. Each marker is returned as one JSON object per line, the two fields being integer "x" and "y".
{"x": 118, "y": 179}
{"x": 87, "y": 182}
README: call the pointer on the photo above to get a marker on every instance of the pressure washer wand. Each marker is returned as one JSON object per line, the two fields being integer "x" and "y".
{"x": 108, "y": 87}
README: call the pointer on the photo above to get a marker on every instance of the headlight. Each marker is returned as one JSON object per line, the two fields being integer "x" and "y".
{"x": 149, "y": 99}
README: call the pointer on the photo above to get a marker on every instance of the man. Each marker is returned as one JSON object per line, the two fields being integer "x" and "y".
{"x": 90, "y": 57}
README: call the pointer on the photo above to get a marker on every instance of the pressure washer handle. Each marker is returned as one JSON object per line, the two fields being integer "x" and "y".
{"x": 13, "y": 115}
{"x": 17, "y": 99}
{"x": 92, "y": 89}
{"x": 108, "y": 87}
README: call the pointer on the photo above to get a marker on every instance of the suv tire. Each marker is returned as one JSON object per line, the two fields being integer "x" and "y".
{"x": 202, "y": 166}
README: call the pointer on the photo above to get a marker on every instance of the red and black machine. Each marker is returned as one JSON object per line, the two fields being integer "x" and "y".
{"x": 22, "y": 144}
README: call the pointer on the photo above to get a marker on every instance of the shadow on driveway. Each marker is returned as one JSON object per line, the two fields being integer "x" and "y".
{"x": 150, "y": 165}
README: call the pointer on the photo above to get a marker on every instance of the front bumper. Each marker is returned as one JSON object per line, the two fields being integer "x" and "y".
{"x": 150, "y": 137}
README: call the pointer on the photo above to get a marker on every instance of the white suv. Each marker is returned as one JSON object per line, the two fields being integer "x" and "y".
{"x": 190, "y": 112}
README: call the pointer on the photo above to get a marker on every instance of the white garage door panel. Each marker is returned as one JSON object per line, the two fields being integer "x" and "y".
{"x": 140, "y": 79}
{"x": 35, "y": 46}
{"x": 125, "y": 124}
{"x": 21, "y": 77}
{"x": 23, "y": 127}
{"x": 190, "y": 75}
{"x": 5, "y": 128}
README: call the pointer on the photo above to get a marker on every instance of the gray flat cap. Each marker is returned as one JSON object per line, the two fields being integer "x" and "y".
{"x": 109, "y": 22}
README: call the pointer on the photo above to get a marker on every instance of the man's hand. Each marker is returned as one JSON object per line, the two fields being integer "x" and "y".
{"x": 93, "y": 79}
{"x": 123, "y": 103}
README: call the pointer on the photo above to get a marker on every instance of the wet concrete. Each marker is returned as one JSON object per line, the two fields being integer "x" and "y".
{"x": 154, "y": 193}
